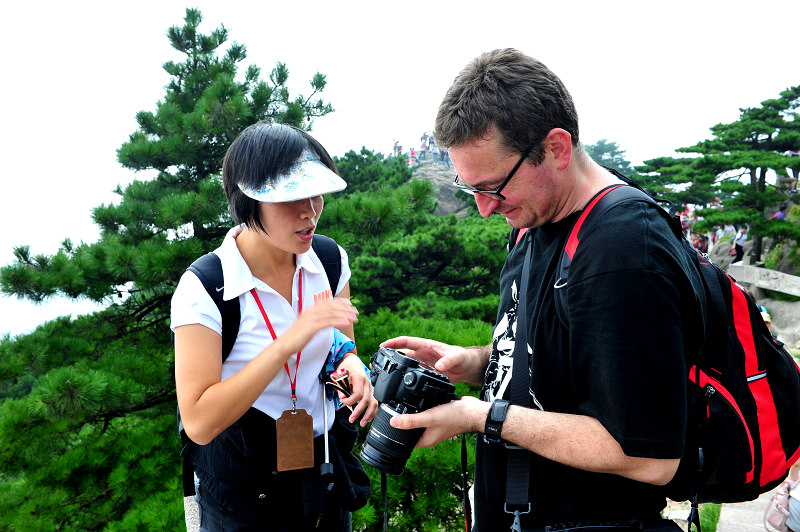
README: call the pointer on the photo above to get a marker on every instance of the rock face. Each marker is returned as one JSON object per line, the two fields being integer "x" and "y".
{"x": 442, "y": 178}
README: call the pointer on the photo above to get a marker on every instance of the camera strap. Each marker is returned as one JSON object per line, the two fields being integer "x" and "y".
{"x": 518, "y": 458}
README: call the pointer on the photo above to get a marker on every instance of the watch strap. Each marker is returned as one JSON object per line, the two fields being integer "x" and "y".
{"x": 495, "y": 419}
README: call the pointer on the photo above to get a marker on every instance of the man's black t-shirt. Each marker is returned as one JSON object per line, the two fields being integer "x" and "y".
{"x": 633, "y": 317}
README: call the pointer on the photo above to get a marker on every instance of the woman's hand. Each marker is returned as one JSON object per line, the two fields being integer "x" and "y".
{"x": 361, "y": 398}
{"x": 338, "y": 313}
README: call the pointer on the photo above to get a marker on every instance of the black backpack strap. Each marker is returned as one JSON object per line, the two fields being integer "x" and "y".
{"x": 328, "y": 252}
{"x": 208, "y": 269}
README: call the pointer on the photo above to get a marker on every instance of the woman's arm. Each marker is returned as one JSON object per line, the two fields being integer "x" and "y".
{"x": 209, "y": 405}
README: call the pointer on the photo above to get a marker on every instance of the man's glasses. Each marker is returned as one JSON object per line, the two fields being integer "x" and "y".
{"x": 494, "y": 194}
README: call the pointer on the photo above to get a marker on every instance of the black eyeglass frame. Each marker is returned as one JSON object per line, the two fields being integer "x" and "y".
{"x": 494, "y": 194}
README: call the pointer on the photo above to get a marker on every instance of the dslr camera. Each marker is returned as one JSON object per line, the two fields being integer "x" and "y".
{"x": 403, "y": 385}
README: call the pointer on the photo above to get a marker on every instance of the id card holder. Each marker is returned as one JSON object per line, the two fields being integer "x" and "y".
{"x": 295, "y": 440}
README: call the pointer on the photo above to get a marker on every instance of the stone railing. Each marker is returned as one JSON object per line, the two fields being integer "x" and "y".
{"x": 766, "y": 279}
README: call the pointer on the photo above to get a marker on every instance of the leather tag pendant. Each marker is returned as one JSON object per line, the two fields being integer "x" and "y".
{"x": 295, "y": 435}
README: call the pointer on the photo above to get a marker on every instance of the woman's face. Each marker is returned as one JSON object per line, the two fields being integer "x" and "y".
{"x": 290, "y": 225}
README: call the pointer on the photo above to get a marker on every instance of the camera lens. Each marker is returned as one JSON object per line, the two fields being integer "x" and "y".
{"x": 387, "y": 448}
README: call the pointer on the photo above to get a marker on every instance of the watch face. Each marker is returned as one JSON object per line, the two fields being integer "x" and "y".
{"x": 498, "y": 411}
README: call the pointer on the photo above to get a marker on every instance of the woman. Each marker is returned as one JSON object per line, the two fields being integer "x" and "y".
{"x": 250, "y": 418}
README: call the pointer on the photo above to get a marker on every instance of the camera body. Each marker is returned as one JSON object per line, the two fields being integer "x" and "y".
{"x": 403, "y": 385}
{"x": 407, "y": 385}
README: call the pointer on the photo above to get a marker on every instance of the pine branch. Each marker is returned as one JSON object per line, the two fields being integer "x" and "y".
{"x": 154, "y": 400}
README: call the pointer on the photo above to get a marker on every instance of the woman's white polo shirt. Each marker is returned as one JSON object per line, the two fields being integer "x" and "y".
{"x": 191, "y": 304}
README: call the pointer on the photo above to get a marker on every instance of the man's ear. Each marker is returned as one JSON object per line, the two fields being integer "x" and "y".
{"x": 559, "y": 143}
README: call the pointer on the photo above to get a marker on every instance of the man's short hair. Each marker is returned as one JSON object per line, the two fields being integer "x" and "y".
{"x": 508, "y": 90}
{"x": 260, "y": 154}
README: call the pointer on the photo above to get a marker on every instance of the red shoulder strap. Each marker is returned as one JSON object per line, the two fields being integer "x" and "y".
{"x": 572, "y": 240}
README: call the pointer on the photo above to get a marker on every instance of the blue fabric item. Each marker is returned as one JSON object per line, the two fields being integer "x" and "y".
{"x": 340, "y": 347}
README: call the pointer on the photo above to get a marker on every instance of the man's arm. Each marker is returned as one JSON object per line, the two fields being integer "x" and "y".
{"x": 573, "y": 440}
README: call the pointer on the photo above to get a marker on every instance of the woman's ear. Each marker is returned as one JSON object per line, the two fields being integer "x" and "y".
{"x": 559, "y": 143}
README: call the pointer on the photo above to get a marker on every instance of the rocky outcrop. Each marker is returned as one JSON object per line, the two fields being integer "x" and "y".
{"x": 442, "y": 178}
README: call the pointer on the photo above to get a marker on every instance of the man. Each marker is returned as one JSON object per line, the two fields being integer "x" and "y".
{"x": 607, "y": 423}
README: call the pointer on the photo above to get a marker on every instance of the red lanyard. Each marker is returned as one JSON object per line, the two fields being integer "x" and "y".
{"x": 292, "y": 382}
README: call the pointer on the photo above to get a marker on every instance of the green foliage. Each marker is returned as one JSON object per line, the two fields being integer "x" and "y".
{"x": 398, "y": 249}
{"x": 367, "y": 171}
{"x": 794, "y": 214}
{"x": 780, "y": 296}
{"x": 773, "y": 258}
{"x": 794, "y": 254}
{"x": 443, "y": 308}
{"x": 709, "y": 516}
{"x": 93, "y": 438}
{"x": 610, "y": 155}
{"x": 373, "y": 329}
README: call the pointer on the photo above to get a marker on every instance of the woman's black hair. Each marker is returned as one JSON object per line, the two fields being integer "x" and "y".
{"x": 259, "y": 155}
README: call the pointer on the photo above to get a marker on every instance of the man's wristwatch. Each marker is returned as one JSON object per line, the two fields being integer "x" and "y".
{"x": 494, "y": 421}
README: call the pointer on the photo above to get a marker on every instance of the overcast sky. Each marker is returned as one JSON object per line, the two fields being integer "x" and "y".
{"x": 651, "y": 76}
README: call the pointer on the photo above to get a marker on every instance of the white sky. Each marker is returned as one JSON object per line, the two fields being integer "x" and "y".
{"x": 651, "y": 76}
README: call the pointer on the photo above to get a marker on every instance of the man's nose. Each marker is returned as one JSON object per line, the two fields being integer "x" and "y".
{"x": 486, "y": 206}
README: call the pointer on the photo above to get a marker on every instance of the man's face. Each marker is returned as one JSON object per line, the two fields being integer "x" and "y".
{"x": 529, "y": 195}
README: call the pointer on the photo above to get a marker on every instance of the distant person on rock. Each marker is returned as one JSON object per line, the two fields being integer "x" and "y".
{"x": 445, "y": 156}
{"x": 738, "y": 243}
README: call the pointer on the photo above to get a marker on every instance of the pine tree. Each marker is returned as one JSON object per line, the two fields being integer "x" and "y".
{"x": 609, "y": 154}
{"x": 734, "y": 165}
{"x": 87, "y": 423}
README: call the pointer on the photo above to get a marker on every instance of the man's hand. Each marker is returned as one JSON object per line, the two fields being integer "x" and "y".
{"x": 442, "y": 422}
{"x": 460, "y": 364}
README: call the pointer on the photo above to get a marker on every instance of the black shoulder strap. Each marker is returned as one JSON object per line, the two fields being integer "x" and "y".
{"x": 513, "y": 236}
{"x": 208, "y": 269}
{"x": 328, "y": 252}
{"x": 518, "y": 458}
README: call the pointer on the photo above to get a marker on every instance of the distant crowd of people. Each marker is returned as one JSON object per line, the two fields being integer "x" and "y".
{"x": 427, "y": 145}
{"x": 737, "y": 235}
